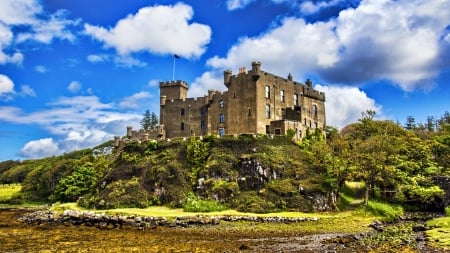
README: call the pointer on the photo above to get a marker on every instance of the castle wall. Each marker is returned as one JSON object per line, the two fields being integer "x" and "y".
{"x": 254, "y": 100}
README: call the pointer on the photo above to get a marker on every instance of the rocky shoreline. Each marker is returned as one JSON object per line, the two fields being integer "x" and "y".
{"x": 103, "y": 221}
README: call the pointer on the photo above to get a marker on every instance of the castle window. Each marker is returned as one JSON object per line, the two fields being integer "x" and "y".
{"x": 305, "y": 121}
{"x": 221, "y": 118}
{"x": 283, "y": 113}
{"x": 202, "y": 125}
{"x": 268, "y": 111}
{"x": 203, "y": 110}
{"x": 267, "y": 91}
{"x": 267, "y": 129}
{"x": 182, "y": 111}
{"x": 282, "y": 95}
{"x": 182, "y": 126}
{"x": 278, "y": 131}
{"x": 249, "y": 112}
{"x": 221, "y": 103}
{"x": 221, "y": 131}
{"x": 314, "y": 110}
{"x": 316, "y": 125}
{"x": 296, "y": 99}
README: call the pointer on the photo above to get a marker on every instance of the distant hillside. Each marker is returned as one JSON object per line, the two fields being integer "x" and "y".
{"x": 249, "y": 173}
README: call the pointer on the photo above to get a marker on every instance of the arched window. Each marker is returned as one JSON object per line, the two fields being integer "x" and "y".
{"x": 314, "y": 110}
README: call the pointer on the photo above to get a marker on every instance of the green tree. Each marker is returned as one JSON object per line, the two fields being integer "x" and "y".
{"x": 80, "y": 182}
{"x": 153, "y": 121}
{"x": 146, "y": 121}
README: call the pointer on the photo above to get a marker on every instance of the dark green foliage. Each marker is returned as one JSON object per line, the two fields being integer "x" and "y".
{"x": 72, "y": 187}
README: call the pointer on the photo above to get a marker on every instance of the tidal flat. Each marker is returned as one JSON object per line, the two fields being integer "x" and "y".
{"x": 340, "y": 234}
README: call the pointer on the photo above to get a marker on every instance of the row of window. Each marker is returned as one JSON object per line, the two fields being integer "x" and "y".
{"x": 282, "y": 96}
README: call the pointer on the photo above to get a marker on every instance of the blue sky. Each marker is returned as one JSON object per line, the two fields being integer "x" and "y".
{"x": 75, "y": 73}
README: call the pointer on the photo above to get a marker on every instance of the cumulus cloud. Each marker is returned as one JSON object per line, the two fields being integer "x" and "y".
{"x": 74, "y": 86}
{"x": 39, "y": 148}
{"x": 6, "y": 85}
{"x": 72, "y": 123}
{"x": 210, "y": 80}
{"x": 400, "y": 41}
{"x": 157, "y": 29}
{"x": 293, "y": 47}
{"x": 344, "y": 104}
{"x": 135, "y": 100}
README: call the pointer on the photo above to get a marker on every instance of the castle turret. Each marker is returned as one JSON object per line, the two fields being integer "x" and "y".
{"x": 129, "y": 131}
{"x": 256, "y": 70}
{"x": 227, "y": 77}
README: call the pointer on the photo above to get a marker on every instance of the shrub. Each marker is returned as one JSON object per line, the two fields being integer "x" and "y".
{"x": 389, "y": 212}
{"x": 447, "y": 211}
{"x": 196, "y": 204}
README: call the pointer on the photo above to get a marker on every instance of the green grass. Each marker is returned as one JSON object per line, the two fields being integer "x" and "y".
{"x": 7, "y": 191}
{"x": 439, "y": 233}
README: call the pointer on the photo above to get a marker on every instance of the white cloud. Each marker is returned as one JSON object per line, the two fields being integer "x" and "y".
{"x": 237, "y": 4}
{"x": 95, "y": 58}
{"x": 72, "y": 123}
{"x": 39, "y": 148}
{"x": 135, "y": 100}
{"x": 210, "y": 80}
{"x": 153, "y": 83}
{"x": 26, "y": 14}
{"x": 6, "y": 85}
{"x": 74, "y": 86}
{"x": 40, "y": 69}
{"x": 26, "y": 90}
{"x": 310, "y": 7}
{"x": 45, "y": 31}
{"x": 293, "y": 47}
{"x": 400, "y": 41}
{"x": 344, "y": 104}
{"x": 157, "y": 29}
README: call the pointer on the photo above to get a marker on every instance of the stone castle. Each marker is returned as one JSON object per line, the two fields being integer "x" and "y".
{"x": 256, "y": 102}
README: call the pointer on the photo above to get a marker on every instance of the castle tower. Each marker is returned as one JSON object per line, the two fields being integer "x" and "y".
{"x": 173, "y": 90}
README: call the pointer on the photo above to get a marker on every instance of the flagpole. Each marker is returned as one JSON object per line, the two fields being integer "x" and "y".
{"x": 173, "y": 70}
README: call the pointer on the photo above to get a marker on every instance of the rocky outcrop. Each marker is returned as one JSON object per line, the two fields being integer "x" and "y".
{"x": 103, "y": 221}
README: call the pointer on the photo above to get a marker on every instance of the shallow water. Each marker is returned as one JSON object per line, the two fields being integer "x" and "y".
{"x": 19, "y": 237}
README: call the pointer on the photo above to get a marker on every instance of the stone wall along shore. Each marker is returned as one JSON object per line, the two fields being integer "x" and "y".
{"x": 103, "y": 221}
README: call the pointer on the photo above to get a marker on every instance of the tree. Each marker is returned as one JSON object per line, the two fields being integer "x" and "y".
{"x": 153, "y": 121}
{"x": 410, "y": 123}
{"x": 146, "y": 121}
{"x": 149, "y": 121}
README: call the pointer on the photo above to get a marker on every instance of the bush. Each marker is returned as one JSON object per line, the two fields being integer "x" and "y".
{"x": 389, "y": 212}
{"x": 195, "y": 204}
{"x": 447, "y": 211}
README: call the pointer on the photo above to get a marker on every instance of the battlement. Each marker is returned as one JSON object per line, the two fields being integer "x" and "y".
{"x": 174, "y": 83}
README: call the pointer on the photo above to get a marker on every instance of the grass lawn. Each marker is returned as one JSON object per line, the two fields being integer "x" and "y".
{"x": 440, "y": 234}
{"x": 7, "y": 191}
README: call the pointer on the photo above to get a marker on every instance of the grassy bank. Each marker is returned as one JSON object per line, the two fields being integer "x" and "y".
{"x": 8, "y": 190}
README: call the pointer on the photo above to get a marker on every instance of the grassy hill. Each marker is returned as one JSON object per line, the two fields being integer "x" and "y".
{"x": 247, "y": 173}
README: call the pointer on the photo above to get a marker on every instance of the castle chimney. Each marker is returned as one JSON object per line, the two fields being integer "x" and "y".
{"x": 308, "y": 83}
{"x": 290, "y": 77}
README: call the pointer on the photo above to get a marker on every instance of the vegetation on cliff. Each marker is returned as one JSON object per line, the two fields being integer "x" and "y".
{"x": 248, "y": 173}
